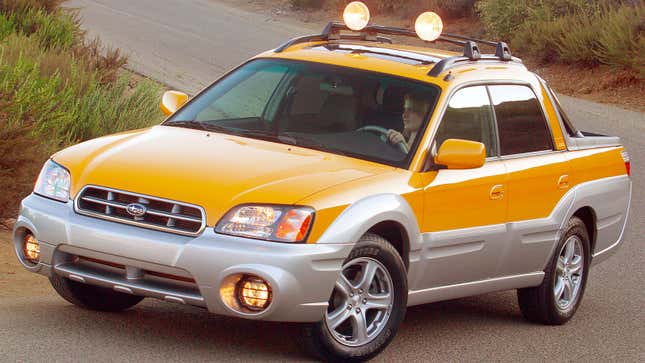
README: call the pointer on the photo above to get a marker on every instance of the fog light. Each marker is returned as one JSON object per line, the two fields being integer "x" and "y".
{"x": 31, "y": 248}
{"x": 253, "y": 293}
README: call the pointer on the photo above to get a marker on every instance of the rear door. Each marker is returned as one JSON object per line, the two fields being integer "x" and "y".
{"x": 538, "y": 177}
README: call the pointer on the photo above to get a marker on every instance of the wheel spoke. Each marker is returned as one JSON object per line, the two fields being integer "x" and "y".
{"x": 359, "y": 327}
{"x": 568, "y": 290}
{"x": 347, "y": 285}
{"x": 343, "y": 285}
{"x": 569, "y": 250}
{"x": 378, "y": 301}
{"x": 336, "y": 318}
{"x": 559, "y": 288}
{"x": 560, "y": 266}
{"x": 368, "y": 273}
{"x": 575, "y": 266}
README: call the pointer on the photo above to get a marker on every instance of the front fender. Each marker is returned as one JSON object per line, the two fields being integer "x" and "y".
{"x": 362, "y": 215}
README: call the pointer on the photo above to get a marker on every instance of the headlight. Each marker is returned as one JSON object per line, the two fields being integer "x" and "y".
{"x": 268, "y": 222}
{"x": 53, "y": 182}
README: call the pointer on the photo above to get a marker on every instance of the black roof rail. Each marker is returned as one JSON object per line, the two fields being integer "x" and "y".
{"x": 371, "y": 33}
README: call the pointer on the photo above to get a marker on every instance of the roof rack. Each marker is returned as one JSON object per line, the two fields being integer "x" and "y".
{"x": 371, "y": 33}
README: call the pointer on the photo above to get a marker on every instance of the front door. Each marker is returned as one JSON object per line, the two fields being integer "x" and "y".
{"x": 465, "y": 211}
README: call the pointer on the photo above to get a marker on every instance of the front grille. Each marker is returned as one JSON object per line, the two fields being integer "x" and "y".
{"x": 160, "y": 214}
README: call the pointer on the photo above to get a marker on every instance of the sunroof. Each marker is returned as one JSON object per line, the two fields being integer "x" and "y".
{"x": 393, "y": 55}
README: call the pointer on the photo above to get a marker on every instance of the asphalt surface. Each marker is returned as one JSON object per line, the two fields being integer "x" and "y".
{"x": 186, "y": 44}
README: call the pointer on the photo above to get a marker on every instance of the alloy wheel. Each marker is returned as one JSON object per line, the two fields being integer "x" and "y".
{"x": 361, "y": 303}
{"x": 569, "y": 273}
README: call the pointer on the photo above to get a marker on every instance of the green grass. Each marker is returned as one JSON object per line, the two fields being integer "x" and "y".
{"x": 57, "y": 89}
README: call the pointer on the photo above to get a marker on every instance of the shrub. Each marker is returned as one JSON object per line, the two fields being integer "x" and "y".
{"x": 539, "y": 39}
{"x": 8, "y": 6}
{"x": 572, "y": 31}
{"x": 621, "y": 39}
{"x": 407, "y": 8}
{"x": 504, "y": 18}
{"x": 21, "y": 160}
{"x": 307, "y": 4}
{"x": 577, "y": 41}
{"x": 55, "y": 90}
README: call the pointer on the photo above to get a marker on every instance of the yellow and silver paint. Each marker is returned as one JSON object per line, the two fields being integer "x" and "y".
{"x": 460, "y": 240}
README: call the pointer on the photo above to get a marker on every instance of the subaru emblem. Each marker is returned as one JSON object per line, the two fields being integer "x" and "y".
{"x": 136, "y": 209}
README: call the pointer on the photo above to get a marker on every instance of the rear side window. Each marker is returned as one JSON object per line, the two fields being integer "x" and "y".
{"x": 520, "y": 120}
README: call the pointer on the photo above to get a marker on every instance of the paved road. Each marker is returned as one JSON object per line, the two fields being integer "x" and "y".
{"x": 188, "y": 43}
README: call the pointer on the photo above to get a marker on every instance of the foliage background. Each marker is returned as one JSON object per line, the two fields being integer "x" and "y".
{"x": 582, "y": 32}
{"x": 57, "y": 88}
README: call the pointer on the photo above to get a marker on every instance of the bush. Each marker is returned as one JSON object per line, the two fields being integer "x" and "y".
{"x": 572, "y": 31}
{"x": 21, "y": 160}
{"x": 504, "y": 18}
{"x": 9, "y": 6}
{"x": 621, "y": 39}
{"x": 307, "y": 4}
{"x": 56, "y": 90}
{"x": 449, "y": 9}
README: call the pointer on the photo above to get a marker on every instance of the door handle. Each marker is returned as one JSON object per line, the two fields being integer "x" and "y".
{"x": 497, "y": 192}
{"x": 563, "y": 182}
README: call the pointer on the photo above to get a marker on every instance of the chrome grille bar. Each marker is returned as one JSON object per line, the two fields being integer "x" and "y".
{"x": 160, "y": 214}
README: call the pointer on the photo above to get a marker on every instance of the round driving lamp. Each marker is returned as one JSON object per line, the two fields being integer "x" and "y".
{"x": 429, "y": 26}
{"x": 356, "y": 15}
{"x": 253, "y": 293}
{"x": 31, "y": 248}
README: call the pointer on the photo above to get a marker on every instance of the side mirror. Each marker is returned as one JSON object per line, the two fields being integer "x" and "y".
{"x": 461, "y": 154}
{"x": 172, "y": 101}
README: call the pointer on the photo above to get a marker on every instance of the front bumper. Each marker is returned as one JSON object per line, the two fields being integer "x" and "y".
{"x": 302, "y": 276}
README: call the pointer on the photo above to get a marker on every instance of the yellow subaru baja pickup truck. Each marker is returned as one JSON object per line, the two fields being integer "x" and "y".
{"x": 337, "y": 180}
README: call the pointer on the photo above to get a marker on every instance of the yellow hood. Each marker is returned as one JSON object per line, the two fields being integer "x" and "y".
{"x": 211, "y": 170}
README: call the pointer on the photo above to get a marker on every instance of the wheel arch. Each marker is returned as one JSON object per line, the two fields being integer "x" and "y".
{"x": 588, "y": 217}
{"x": 397, "y": 236}
{"x": 387, "y": 215}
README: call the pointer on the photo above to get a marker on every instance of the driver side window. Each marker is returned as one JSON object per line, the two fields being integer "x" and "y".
{"x": 469, "y": 116}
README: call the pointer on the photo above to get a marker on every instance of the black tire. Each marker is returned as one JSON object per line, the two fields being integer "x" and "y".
{"x": 319, "y": 339}
{"x": 92, "y": 297}
{"x": 538, "y": 304}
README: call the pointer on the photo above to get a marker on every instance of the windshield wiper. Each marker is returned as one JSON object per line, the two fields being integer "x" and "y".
{"x": 308, "y": 142}
{"x": 205, "y": 126}
{"x": 187, "y": 124}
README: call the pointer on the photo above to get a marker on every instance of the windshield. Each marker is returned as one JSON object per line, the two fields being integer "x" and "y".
{"x": 362, "y": 114}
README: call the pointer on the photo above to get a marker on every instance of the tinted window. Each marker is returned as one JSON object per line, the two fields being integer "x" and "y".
{"x": 521, "y": 123}
{"x": 469, "y": 116}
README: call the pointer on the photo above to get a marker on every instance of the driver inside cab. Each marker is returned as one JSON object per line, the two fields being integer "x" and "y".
{"x": 414, "y": 110}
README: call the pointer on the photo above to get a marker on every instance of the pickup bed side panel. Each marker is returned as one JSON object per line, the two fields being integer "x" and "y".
{"x": 605, "y": 187}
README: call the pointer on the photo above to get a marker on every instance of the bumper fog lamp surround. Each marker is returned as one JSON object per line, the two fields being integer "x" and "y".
{"x": 53, "y": 182}
{"x": 253, "y": 293}
{"x": 31, "y": 248}
{"x": 271, "y": 223}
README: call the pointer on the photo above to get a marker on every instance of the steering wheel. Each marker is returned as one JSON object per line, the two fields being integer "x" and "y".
{"x": 382, "y": 133}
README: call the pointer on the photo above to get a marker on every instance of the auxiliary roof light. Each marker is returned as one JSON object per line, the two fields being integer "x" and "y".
{"x": 428, "y": 26}
{"x": 356, "y": 15}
